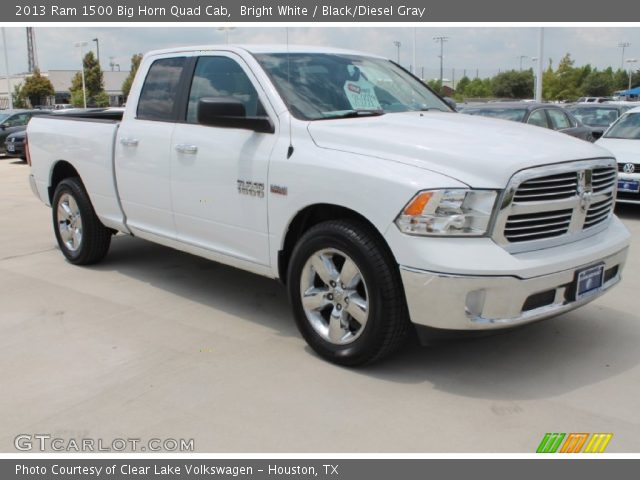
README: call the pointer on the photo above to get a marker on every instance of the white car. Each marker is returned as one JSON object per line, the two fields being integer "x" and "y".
{"x": 622, "y": 139}
{"x": 348, "y": 179}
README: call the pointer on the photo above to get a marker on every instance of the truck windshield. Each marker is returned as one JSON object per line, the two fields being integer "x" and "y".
{"x": 628, "y": 127}
{"x": 318, "y": 86}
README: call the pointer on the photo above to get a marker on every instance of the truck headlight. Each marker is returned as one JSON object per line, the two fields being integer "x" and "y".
{"x": 448, "y": 212}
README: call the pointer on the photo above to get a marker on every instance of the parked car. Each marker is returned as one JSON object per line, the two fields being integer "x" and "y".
{"x": 14, "y": 121}
{"x": 14, "y": 144}
{"x": 598, "y": 116}
{"x": 593, "y": 99}
{"x": 544, "y": 115}
{"x": 348, "y": 179}
{"x": 623, "y": 141}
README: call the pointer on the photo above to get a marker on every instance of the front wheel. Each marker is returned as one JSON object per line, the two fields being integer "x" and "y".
{"x": 82, "y": 238}
{"x": 347, "y": 294}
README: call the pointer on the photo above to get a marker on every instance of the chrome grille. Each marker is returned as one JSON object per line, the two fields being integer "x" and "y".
{"x": 547, "y": 206}
{"x": 599, "y": 212}
{"x": 551, "y": 187}
{"x": 530, "y": 226}
{"x": 603, "y": 179}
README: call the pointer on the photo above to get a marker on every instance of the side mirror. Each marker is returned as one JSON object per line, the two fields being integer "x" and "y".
{"x": 228, "y": 112}
{"x": 451, "y": 102}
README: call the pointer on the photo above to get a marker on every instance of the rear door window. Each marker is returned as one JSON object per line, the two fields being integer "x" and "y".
{"x": 539, "y": 119}
{"x": 559, "y": 120}
{"x": 160, "y": 90}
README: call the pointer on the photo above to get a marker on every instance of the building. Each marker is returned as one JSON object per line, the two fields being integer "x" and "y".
{"x": 61, "y": 80}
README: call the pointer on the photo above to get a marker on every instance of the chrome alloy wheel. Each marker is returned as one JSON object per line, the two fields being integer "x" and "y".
{"x": 69, "y": 222}
{"x": 334, "y": 296}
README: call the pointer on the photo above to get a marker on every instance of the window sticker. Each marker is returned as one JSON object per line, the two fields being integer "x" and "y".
{"x": 360, "y": 92}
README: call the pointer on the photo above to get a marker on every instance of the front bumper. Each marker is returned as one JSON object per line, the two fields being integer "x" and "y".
{"x": 456, "y": 302}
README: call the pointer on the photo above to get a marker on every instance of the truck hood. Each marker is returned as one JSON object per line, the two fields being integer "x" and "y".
{"x": 481, "y": 152}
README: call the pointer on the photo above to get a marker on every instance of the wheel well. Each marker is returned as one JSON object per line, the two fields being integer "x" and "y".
{"x": 61, "y": 170}
{"x": 307, "y": 218}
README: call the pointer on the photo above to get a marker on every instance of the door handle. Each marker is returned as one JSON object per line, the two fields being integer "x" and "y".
{"x": 190, "y": 149}
{"x": 129, "y": 142}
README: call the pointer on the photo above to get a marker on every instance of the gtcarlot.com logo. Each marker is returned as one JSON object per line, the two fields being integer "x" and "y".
{"x": 574, "y": 443}
{"x": 49, "y": 443}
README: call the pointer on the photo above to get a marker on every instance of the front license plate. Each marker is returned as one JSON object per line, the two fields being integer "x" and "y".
{"x": 590, "y": 281}
{"x": 628, "y": 186}
{"x": 11, "y": 148}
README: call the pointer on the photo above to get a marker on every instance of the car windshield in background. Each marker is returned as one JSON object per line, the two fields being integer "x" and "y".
{"x": 319, "y": 86}
{"x": 595, "y": 116}
{"x": 514, "y": 114}
{"x": 628, "y": 127}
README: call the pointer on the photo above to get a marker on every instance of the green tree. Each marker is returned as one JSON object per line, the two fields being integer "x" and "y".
{"x": 598, "y": 84}
{"x": 435, "y": 85}
{"x": 19, "y": 100}
{"x": 513, "y": 84}
{"x": 94, "y": 84}
{"x": 565, "y": 83}
{"x": 37, "y": 88}
{"x": 135, "y": 64}
{"x": 478, "y": 88}
{"x": 462, "y": 84}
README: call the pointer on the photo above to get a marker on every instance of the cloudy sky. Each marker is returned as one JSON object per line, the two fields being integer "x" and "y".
{"x": 487, "y": 49}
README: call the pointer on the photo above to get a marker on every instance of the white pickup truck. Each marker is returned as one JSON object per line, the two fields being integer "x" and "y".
{"x": 348, "y": 179}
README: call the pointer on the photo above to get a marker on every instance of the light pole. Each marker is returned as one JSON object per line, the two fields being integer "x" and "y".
{"x": 630, "y": 61}
{"x": 97, "y": 49}
{"x": 81, "y": 45}
{"x": 538, "y": 92}
{"x": 522, "y": 57}
{"x": 398, "y": 44}
{"x": 227, "y": 31}
{"x": 6, "y": 66}
{"x": 623, "y": 46}
{"x": 441, "y": 39}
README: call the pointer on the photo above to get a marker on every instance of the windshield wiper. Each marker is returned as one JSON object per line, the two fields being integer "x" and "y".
{"x": 363, "y": 112}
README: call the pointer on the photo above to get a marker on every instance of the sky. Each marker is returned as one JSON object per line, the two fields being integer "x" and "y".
{"x": 482, "y": 50}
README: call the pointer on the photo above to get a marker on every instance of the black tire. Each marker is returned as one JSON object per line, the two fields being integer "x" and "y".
{"x": 388, "y": 322}
{"x": 95, "y": 238}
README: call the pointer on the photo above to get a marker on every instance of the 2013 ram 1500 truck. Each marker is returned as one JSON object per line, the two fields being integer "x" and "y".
{"x": 348, "y": 179}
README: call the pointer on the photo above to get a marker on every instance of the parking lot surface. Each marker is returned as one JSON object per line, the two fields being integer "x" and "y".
{"x": 154, "y": 343}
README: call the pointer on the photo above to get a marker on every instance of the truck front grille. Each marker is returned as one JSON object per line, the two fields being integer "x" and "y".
{"x": 551, "y": 205}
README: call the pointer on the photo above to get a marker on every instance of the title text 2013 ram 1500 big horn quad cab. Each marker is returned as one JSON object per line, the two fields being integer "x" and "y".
{"x": 348, "y": 179}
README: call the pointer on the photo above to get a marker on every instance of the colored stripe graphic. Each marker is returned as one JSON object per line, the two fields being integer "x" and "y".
{"x": 598, "y": 443}
{"x": 550, "y": 443}
{"x": 574, "y": 442}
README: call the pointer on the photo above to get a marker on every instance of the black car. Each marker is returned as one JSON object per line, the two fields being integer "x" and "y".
{"x": 544, "y": 115}
{"x": 598, "y": 116}
{"x": 14, "y": 121}
{"x": 14, "y": 144}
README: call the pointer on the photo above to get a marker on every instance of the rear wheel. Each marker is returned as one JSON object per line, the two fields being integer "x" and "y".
{"x": 82, "y": 238}
{"x": 346, "y": 293}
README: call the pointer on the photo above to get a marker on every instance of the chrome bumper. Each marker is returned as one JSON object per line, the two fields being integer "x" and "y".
{"x": 457, "y": 302}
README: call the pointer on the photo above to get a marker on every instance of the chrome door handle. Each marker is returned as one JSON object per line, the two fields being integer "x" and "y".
{"x": 190, "y": 149}
{"x": 129, "y": 142}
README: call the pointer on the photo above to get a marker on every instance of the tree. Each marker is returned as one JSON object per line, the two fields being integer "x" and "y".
{"x": 135, "y": 64}
{"x": 598, "y": 84}
{"x": 19, "y": 100}
{"x": 94, "y": 84}
{"x": 513, "y": 84}
{"x": 478, "y": 88}
{"x": 37, "y": 88}
{"x": 463, "y": 83}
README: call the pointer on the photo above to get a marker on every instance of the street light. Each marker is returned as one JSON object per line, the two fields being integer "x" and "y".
{"x": 630, "y": 61}
{"x": 226, "y": 30}
{"x": 81, "y": 45}
{"x": 6, "y": 66}
{"x": 398, "y": 44}
{"x": 441, "y": 40}
{"x": 623, "y": 46}
{"x": 97, "y": 49}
